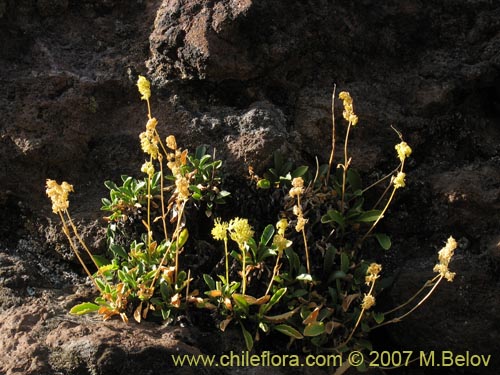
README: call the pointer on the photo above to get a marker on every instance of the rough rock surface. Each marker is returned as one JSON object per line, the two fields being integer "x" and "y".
{"x": 247, "y": 77}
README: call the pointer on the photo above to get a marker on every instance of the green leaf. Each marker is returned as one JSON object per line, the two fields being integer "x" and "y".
{"x": 274, "y": 299}
{"x": 281, "y": 317}
{"x": 378, "y": 317}
{"x": 110, "y": 185}
{"x": 209, "y": 281}
{"x": 329, "y": 259}
{"x": 264, "y": 184}
{"x": 278, "y": 160}
{"x": 344, "y": 262}
{"x": 289, "y": 331}
{"x": 354, "y": 179}
{"x": 300, "y": 171}
{"x": 333, "y": 215}
{"x": 369, "y": 216}
{"x": 314, "y": 329}
{"x": 384, "y": 240}
{"x": 267, "y": 234}
{"x": 118, "y": 251}
{"x": 248, "y": 338}
{"x": 241, "y": 302}
{"x": 84, "y": 308}
{"x": 182, "y": 239}
{"x": 100, "y": 260}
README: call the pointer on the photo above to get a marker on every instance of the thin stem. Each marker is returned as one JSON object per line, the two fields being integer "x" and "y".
{"x": 227, "y": 260}
{"x": 398, "y": 319}
{"x": 332, "y": 155}
{"x": 380, "y": 180}
{"x": 359, "y": 319}
{"x": 345, "y": 167}
{"x": 84, "y": 245}
{"x": 177, "y": 229}
{"x": 305, "y": 238}
{"x": 426, "y": 285}
{"x": 383, "y": 210}
{"x": 167, "y": 251}
{"x": 149, "y": 109}
{"x": 163, "y": 214}
{"x": 149, "y": 212}
{"x": 75, "y": 250}
{"x": 243, "y": 269}
{"x": 275, "y": 273}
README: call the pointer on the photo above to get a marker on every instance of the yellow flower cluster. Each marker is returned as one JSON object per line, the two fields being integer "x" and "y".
{"x": 281, "y": 226}
{"x": 296, "y": 191}
{"x": 403, "y": 150}
{"x": 279, "y": 239}
{"x": 144, "y": 88}
{"x": 399, "y": 180}
{"x": 176, "y": 160}
{"x": 182, "y": 188}
{"x": 240, "y": 231}
{"x": 58, "y": 194}
{"x": 297, "y": 187}
{"x": 219, "y": 231}
{"x": 445, "y": 255}
{"x": 372, "y": 273}
{"x": 148, "y": 168}
{"x": 149, "y": 143}
{"x": 368, "y": 302}
{"x": 348, "y": 108}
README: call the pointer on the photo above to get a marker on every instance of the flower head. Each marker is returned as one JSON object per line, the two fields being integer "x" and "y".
{"x": 182, "y": 188}
{"x": 399, "y": 180}
{"x": 144, "y": 88}
{"x": 58, "y": 194}
{"x": 281, "y": 242}
{"x": 445, "y": 255}
{"x": 219, "y": 231}
{"x": 171, "y": 143}
{"x": 348, "y": 108}
{"x": 281, "y": 226}
{"x": 403, "y": 150}
{"x": 148, "y": 168}
{"x": 297, "y": 187}
{"x": 151, "y": 124}
{"x": 372, "y": 273}
{"x": 241, "y": 232}
{"x": 149, "y": 143}
{"x": 301, "y": 223}
{"x": 368, "y": 302}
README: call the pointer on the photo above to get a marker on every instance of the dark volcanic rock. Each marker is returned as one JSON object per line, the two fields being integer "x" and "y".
{"x": 246, "y": 77}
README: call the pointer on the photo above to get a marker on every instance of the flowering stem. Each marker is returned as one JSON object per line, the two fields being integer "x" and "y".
{"x": 383, "y": 210}
{"x": 305, "y": 239}
{"x": 167, "y": 251}
{"x": 426, "y": 285}
{"x": 359, "y": 319}
{"x": 399, "y": 318}
{"x": 332, "y": 155}
{"x": 163, "y": 214}
{"x": 345, "y": 166}
{"x": 177, "y": 230}
{"x": 75, "y": 250}
{"x": 149, "y": 213}
{"x": 243, "y": 269}
{"x": 227, "y": 260}
{"x": 275, "y": 273}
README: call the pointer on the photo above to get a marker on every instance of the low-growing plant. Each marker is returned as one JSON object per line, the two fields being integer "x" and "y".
{"x": 305, "y": 277}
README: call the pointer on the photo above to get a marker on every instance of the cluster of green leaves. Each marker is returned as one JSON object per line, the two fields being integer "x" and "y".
{"x": 281, "y": 173}
{"x": 136, "y": 275}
